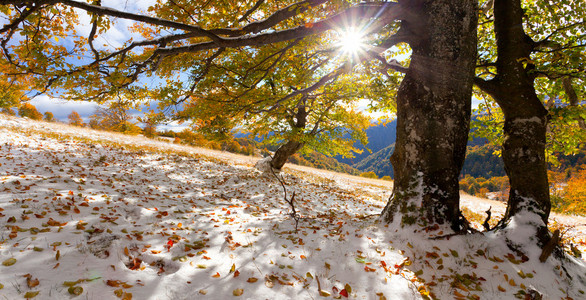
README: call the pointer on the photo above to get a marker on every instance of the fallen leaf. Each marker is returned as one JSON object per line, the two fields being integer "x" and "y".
{"x": 216, "y": 275}
{"x": 31, "y": 294}
{"x": 252, "y": 280}
{"x": 32, "y": 282}
{"x": 75, "y": 290}
{"x": 9, "y": 262}
{"x": 238, "y": 292}
{"x": 344, "y": 293}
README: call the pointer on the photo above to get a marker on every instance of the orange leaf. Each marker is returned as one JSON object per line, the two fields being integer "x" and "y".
{"x": 113, "y": 283}
{"x": 252, "y": 280}
{"x": 126, "y": 252}
{"x": 237, "y": 273}
{"x": 216, "y": 275}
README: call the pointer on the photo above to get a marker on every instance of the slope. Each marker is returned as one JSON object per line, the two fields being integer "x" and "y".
{"x": 102, "y": 215}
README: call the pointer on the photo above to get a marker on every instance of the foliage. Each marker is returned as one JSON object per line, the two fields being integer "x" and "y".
{"x": 481, "y": 186}
{"x": 569, "y": 191}
{"x": 75, "y": 119}
{"x": 8, "y": 111}
{"x": 317, "y": 160}
{"x": 483, "y": 161}
{"x": 114, "y": 118}
{"x": 557, "y": 58}
{"x": 378, "y": 163}
{"x": 48, "y": 116}
{"x": 368, "y": 175}
{"x": 149, "y": 130}
{"x": 30, "y": 111}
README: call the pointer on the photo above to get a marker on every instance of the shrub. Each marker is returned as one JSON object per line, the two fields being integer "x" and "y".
{"x": 30, "y": 111}
{"x": 369, "y": 174}
{"x": 75, "y": 119}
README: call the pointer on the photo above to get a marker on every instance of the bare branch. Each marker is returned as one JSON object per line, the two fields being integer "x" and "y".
{"x": 251, "y": 10}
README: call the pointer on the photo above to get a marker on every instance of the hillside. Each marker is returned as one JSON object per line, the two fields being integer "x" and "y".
{"x": 108, "y": 216}
{"x": 378, "y": 162}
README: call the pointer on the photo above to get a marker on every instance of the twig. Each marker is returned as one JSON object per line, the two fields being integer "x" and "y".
{"x": 485, "y": 224}
{"x": 291, "y": 201}
{"x": 550, "y": 246}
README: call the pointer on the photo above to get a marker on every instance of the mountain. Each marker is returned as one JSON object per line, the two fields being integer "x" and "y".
{"x": 380, "y": 136}
{"x": 378, "y": 162}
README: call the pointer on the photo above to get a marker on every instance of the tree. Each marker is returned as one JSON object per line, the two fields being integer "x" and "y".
{"x": 433, "y": 112}
{"x": 114, "y": 118}
{"x": 30, "y": 111}
{"x": 75, "y": 119}
{"x": 550, "y": 48}
{"x": 48, "y": 116}
{"x": 433, "y": 106}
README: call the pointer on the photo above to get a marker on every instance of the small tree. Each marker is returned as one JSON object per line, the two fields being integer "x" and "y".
{"x": 48, "y": 116}
{"x": 8, "y": 111}
{"x": 75, "y": 119}
{"x": 29, "y": 111}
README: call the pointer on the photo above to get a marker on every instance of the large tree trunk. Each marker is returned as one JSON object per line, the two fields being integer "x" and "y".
{"x": 433, "y": 113}
{"x": 284, "y": 152}
{"x": 525, "y": 116}
{"x": 291, "y": 146}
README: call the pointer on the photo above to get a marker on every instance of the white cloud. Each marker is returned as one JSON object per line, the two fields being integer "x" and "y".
{"x": 61, "y": 108}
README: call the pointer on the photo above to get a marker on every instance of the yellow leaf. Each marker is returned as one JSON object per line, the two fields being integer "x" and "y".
{"x": 252, "y": 280}
{"x": 9, "y": 262}
{"x": 31, "y": 294}
{"x": 237, "y": 292}
{"x": 75, "y": 290}
{"x": 502, "y": 289}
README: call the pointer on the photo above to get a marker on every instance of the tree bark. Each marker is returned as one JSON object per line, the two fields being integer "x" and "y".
{"x": 292, "y": 145}
{"x": 284, "y": 152}
{"x": 525, "y": 116}
{"x": 433, "y": 113}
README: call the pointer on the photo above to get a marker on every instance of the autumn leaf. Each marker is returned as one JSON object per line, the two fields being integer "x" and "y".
{"x": 344, "y": 293}
{"x": 238, "y": 292}
{"x": 32, "y": 282}
{"x": 113, "y": 283}
{"x": 216, "y": 275}
{"x": 75, "y": 290}
{"x": 252, "y": 280}
{"x": 31, "y": 294}
{"x": 9, "y": 262}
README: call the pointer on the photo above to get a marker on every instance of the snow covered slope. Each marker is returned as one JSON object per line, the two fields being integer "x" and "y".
{"x": 99, "y": 215}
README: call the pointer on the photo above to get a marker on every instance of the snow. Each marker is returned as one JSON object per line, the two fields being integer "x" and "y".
{"x": 123, "y": 216}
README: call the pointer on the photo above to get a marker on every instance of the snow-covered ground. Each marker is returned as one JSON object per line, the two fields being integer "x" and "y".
{"x": 99, "y": 215}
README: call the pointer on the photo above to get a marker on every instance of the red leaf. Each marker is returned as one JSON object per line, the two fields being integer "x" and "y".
{"x": 344, "y": 293}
